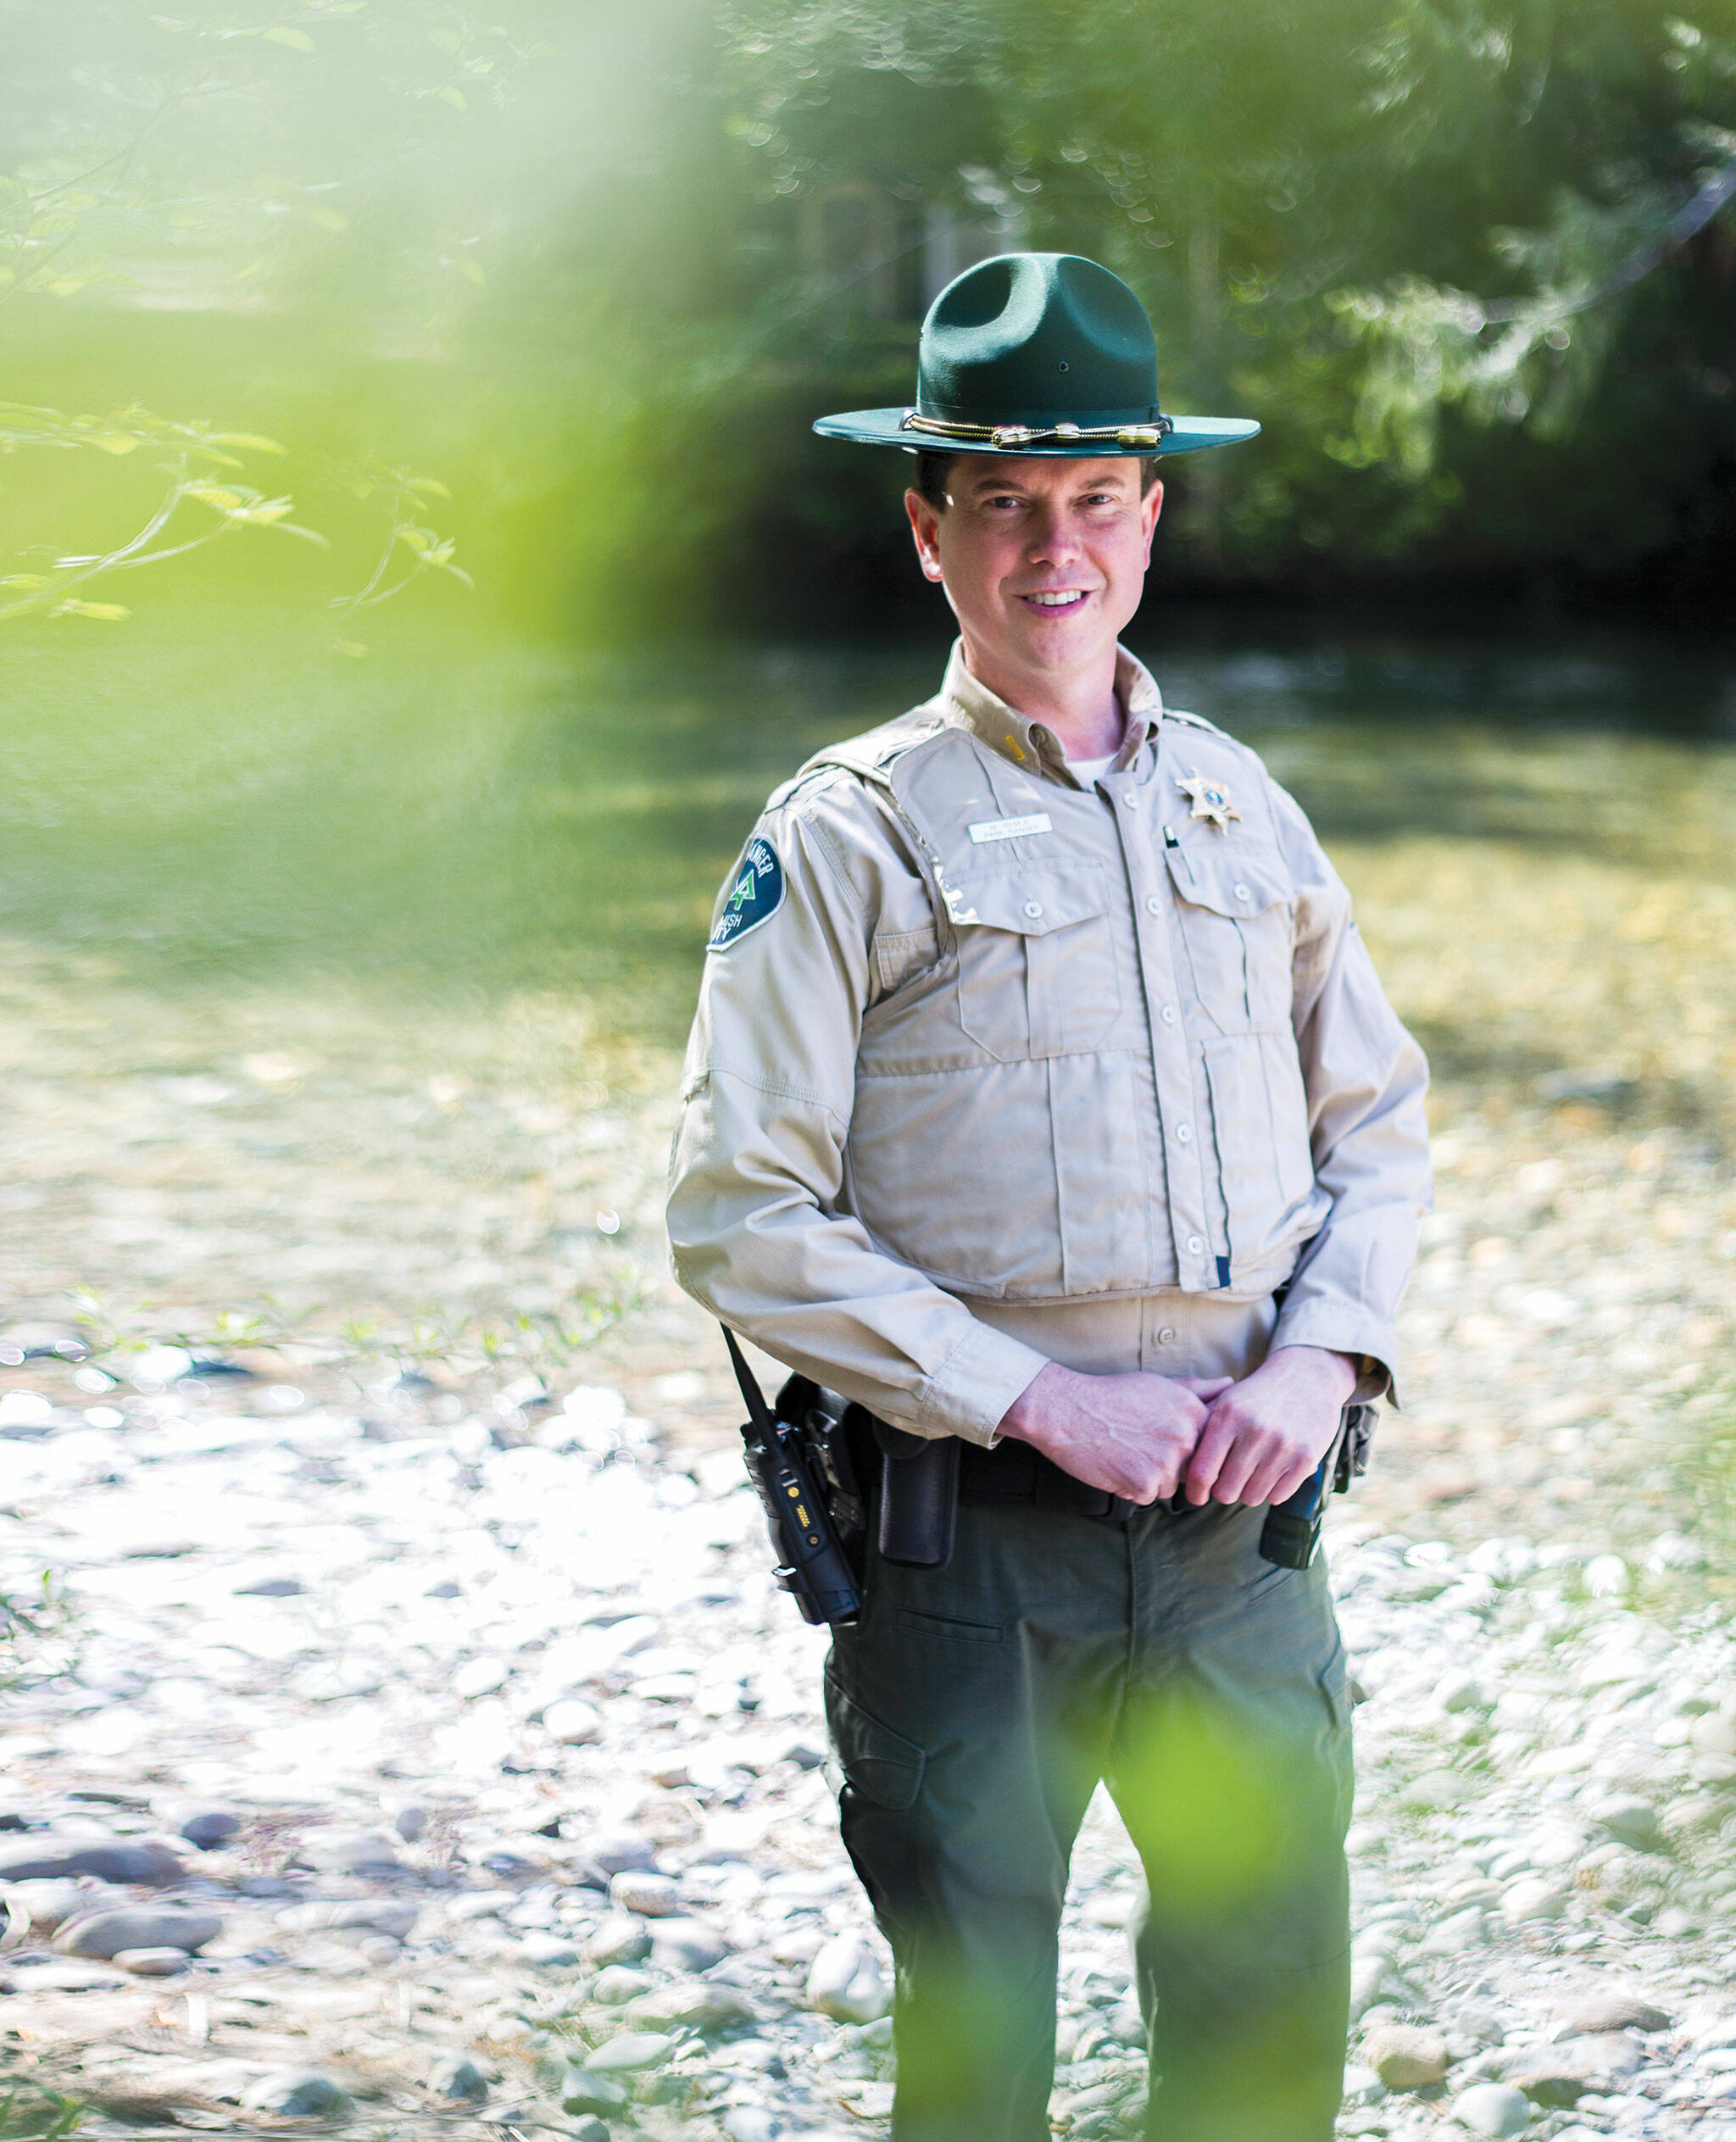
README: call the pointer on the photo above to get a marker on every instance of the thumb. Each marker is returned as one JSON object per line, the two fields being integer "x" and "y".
{"x": 1205, "y": 1387}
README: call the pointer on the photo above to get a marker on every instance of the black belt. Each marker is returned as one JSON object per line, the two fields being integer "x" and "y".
{"x": 1014, "y": 1475}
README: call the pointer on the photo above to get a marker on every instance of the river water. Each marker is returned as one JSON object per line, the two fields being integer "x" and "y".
{"x": 216, "y": 795}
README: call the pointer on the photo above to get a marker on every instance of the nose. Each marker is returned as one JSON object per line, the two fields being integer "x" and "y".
{"x": 1054, "y": 539}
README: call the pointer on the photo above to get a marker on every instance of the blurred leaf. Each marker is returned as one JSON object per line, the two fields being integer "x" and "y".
{"x": 110, "y": 613}
{"x": 251, "y": 440}
{"x": 455, "y": 97}
{"x": 429, "y": 485}
{"x": 25, "y": 579}
{"x": 448, "y": 41}
{"x": 116, "y": 441}
{"x": 213, "y": 494}
{"x": 281, "y": 34}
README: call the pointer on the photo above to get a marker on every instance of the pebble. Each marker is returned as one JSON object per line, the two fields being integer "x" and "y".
{"x": 105, "y": 1934}
{"x": 573, "y": 1722}
{"x": 42, "y": 1858}
{"x": 208, "y": 1827}
{"x": 377, "y": 1915}
{"x": 700, "y": 2005}
{"x": 151, "y": 1963}
{"x": 686, "y": 1944}
{"x": 457, "y": 2076}
{"x": 1533, "y": 1898}
{"x": 653, "y": 1896}
{"x": 1596, "y": 2013}
{"x": 629, "y": 2052}
{"x": 588, "y": 2089}
{"x": 846, "y": 1982}
{"x": 1493, "y": 2108}
{"x": 296, "y": 2093}
{"x": 1406, "y": 2057}
{"x": 624, "y": 1940}
{"x": 615, "y": 1985}
{"x": 548, "y": 1952}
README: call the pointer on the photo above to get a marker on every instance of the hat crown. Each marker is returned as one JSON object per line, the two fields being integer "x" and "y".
{"x": 1037, "y": 338}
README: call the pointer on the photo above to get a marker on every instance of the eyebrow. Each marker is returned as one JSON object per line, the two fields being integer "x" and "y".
{"x": 988, "y": 483}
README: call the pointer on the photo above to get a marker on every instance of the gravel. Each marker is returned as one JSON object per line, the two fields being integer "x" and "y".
{"x": 442, "y": 1911}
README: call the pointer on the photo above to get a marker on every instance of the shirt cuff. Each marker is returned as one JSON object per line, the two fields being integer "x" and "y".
{"x": 1369, "y": 1343}
{"x": 968, "y": 1394}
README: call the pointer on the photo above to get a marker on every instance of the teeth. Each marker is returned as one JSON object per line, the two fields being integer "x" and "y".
{"x": 1061, "y": 601}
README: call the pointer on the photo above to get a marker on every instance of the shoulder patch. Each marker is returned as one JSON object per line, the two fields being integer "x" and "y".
{"x": 755, "y": 896}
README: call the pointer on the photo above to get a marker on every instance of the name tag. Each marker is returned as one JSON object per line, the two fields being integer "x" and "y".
{"x": 987, "y": 829}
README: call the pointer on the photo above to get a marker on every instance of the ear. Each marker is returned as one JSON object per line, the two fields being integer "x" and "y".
{"x": 1150, "y": 506}
{"x": 925, "y": 530}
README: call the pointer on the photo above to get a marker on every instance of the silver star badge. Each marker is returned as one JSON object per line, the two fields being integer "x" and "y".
{"x": 1207, "y": 800}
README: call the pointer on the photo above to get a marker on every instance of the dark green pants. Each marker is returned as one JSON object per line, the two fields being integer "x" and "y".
{"x": 974, "y": 1711}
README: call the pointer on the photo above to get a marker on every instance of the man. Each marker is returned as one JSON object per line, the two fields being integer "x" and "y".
{"x": 1042, "y": 1095}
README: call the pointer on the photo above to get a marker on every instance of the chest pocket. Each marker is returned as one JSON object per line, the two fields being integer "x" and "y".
{"x": 1036, "y": 961}
{"x": 1235, "y": 910}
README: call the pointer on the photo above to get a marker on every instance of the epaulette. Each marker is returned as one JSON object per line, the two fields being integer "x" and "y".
{"x": 870, "y": 757}
{"x": 1196, "y": 721}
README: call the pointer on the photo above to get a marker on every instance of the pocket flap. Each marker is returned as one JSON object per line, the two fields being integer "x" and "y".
{"x": 881, "y": 1765}
{"x": 1032, "y": 902}
{"x": 1239, "y": 881}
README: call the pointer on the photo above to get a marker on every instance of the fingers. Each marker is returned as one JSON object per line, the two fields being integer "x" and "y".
{"x": 1204, "y": 1387}
{"x": 1216, "y": 1441}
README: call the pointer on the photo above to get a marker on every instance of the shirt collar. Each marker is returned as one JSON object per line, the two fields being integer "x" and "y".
{"x": 1028, "y": 744}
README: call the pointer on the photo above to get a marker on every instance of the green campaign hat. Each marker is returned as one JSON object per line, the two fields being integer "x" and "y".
{"x": 1037, "y": 353}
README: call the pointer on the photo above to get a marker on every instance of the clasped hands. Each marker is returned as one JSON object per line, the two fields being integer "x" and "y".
{"x": 1143, "y": 1437}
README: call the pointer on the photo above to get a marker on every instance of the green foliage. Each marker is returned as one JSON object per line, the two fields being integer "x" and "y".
{"x": 40, "y": 1637}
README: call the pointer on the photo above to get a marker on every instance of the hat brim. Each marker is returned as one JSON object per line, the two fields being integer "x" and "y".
{"x": 884, "y": 428}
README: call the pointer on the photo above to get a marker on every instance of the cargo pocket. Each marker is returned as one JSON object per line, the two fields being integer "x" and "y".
{"x": 1036, "y": 961}
{"x": 881, "y": 1765}
{"x": 1234, "y": 907}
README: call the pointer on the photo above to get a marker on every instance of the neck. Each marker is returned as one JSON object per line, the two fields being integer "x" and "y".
{"x": 1078, "y": 708}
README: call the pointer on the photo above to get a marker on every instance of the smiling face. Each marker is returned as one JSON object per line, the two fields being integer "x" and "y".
{"x": 1042, "y": 559}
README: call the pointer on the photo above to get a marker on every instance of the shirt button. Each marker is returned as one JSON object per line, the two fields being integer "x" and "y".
{"x": 1168, "y": 1014}
{"x": 1166, "y": 1337}
{"x": 1195, "y": 1246}
{"x": 1129, "y": 797}
{"x": 1184, "y": 1132}
{"x": 1153, "y": 905}
{"x": 1242, "y": 893}
{"x": 1033, "y": 908}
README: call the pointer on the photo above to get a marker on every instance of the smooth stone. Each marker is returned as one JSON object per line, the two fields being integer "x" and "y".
{"x": 478, "y": 1677}
{"x": 50, "y": 1904}
{"x": 585, "y": 2089}
{"x": 616, "y": 1985}
{"x": 341, "y": 1851}
{"x": 1406, "y": 2057}
{"x": 1533, "y": 1898}
{"x": 588, "y": 2130}
{"x": 378, "y": 1915}
{"x": 701, "y": 2005}
{"x": 1628, "y": 1819}
{"x": 687, "y": 1944}
{"x": 1493, "y": 2108}
{"x": 482, "y": 1904}
{"x": 209, "y": 1826}
{"x": 653, "y": 1896}
{"x": 457, "y": 2076}
{"x": 271, "y": 1588}
{"x": 622, "y": 1851}
{"x": 624, "y": 1939}
{"x": 548, "y": 1952}
{"x": 629, "y": 2052}
{"x": 1434, "y": 1789}
{"x": 1715, "y": 1734}
{"x": 846, "y": 1982}
{"x": 297, "y": 2093}
{"x": 44, "y": 1856}
{"x": 572, "y": 1721}
{"x": 1459, "y": 1691}
{"x": 151, "y": 1963}
{"x": 1558, "y": 2075}
{"x": 105, "y": 1934}
{"x": 1597, "y": 2012}
{"x": 1362, "y": 2086}
{"x": 411, "y": 1821}
{"x": 1457, "y": 1933}
{"x": 749, "y": 2123}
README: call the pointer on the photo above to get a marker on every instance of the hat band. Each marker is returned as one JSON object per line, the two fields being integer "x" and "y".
{"x": 1018, "y": 435}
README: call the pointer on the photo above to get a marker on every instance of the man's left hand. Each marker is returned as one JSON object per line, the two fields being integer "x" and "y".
{"x": 1265, "y": 1434}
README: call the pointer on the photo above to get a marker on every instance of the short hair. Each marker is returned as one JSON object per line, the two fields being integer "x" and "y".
{"x": 933, "y": 470}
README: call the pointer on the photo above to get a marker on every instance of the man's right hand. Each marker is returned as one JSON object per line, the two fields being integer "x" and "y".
{"x": 1130, "y": 1435}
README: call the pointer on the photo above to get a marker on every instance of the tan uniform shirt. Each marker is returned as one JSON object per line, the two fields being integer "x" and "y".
{"x": 990, "y": 1069}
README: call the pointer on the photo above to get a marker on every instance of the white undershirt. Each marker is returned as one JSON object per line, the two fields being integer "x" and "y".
{"x": 1087, "y": 772}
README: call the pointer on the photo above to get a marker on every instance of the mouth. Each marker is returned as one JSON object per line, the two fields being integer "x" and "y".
{"x": 1053, "y": 601}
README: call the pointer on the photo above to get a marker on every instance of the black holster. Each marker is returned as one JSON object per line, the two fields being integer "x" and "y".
{"x": 919, "y": 1497}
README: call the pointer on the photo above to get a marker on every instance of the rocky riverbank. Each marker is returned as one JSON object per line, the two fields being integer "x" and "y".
{"x": 447, "y": 1761}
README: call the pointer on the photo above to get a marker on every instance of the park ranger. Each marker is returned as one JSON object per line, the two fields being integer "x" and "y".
{"x": 1043, "y": 1096}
